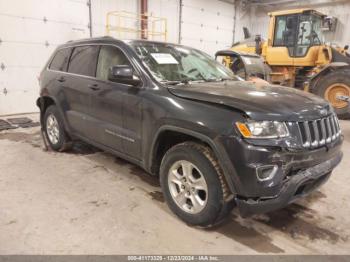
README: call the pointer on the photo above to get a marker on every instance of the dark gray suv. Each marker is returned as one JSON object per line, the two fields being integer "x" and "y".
{"x": 215, "y": 141}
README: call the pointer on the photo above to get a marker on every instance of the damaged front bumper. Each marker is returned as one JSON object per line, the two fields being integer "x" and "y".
{"x": 294, "y": 186}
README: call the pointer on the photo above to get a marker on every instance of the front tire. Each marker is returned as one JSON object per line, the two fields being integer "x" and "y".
{"x": 193, "y": 185}
{"x": 335, "y": 84}
{"x": 54, "y": 130}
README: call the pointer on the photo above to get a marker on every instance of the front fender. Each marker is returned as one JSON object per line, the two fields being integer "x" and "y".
{"x": 218, "y": 149}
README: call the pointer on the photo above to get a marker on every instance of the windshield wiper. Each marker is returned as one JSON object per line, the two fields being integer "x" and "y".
{"x": 219, "y": 79}
{"x": 179, "y": 82}
{"x": 175, "y": 82}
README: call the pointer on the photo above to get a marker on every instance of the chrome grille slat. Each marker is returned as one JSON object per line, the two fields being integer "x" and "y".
{"x": 307, "y": 133}
{"x": 337, "y": 127}
{"x": 333, "y": 128}
{"x": 329, "y": 133}
{"x": 316, "y": 134}
{"x": 319, "y": 132}
{"x": 323, "y": 131}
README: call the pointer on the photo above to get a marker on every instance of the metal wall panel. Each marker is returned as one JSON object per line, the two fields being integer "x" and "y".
{"x": 29, "y": 31}
{"x": 100, "y": 8}
{"x": 170, "y": 10}
{"x": 207, "y": 24}
{"x": 342, "y": 11}
{"x": 160, "y": 8}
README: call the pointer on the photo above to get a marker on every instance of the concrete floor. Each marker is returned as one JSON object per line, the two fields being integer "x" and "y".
{"x": 89, "y": 202}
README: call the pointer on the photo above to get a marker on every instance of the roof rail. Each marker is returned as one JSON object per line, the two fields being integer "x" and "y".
{"x": 91, "y": 38}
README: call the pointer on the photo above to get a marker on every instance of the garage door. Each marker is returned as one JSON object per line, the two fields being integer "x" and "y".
{"x": 207, "y": 25}
{"x": 29, "y": 31}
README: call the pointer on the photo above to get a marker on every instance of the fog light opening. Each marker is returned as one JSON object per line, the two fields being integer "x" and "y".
{"x": 264, "y": 173}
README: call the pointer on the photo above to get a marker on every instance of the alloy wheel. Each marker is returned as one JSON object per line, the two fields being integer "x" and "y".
{"x": 188, "y": 187}
{"x": 52, "y": 129}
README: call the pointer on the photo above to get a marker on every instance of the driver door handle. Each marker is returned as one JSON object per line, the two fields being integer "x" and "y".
{"x": 94, "y": 87}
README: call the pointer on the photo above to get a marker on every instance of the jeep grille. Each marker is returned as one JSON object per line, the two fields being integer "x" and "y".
{"x": 319, "y": 132}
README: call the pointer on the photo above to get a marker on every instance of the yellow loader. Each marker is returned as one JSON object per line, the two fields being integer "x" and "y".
{"x": 295, "y": 55}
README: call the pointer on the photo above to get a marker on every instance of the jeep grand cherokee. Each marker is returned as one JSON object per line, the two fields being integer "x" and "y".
{"x": 215, "y": 141}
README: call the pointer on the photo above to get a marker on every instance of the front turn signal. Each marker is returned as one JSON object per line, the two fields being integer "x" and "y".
{"x": 243, "y": 129}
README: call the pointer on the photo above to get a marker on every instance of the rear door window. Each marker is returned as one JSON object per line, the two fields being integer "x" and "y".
{"x": 60, "y": 60}
{"x": 84, "y": 60}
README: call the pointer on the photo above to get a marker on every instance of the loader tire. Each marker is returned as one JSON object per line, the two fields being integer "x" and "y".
{"x": 335, "y": 84}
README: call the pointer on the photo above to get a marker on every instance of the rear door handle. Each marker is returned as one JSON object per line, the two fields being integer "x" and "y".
{"x": 94, "y": 87}
{"x": 61, "y": 79}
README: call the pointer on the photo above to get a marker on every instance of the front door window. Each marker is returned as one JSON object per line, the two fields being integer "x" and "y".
{"x": 109, "y": 56}
{"x": 285, "y": 32}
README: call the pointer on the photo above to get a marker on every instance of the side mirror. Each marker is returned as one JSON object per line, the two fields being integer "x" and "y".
{"x": 123, "y": 74}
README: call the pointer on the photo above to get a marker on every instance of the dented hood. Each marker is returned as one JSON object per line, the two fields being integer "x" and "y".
{"x": 259, "y": 102}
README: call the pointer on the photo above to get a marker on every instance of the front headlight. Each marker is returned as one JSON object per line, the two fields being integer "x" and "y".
{"x": 263, "y": 129}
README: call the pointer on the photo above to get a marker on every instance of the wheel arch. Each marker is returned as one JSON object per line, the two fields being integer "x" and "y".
{"x": 158, "y": 149}
{"x": 44, "y": 102}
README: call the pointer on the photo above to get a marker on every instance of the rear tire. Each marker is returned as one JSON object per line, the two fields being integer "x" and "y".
{"x": 333, "y": 84}
{"x": 197, "y": 196}
{"x": 55, "y": 131}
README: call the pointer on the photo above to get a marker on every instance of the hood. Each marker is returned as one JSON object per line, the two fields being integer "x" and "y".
{"x": 263, "y": 102}
{"x": 338, "y": 57}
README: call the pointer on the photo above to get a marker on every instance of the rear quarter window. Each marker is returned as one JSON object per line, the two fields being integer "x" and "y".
{"x": 84, "y": 60}
{"x": 61, "y": 59}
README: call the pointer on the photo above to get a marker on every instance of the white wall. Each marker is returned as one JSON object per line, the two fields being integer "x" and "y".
{"x": 207, "y": 24}
{"x": 170, "y": 9}
{"x": 31, "y": 29}
{"x": 100, "y": 8}
{"x": 27, "y": 41}
{"x": 159, "y": 8}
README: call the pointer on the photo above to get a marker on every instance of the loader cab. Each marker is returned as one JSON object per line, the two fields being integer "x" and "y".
{"x": 297, "y": 34}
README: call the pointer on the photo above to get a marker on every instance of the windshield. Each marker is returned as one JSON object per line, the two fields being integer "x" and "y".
{"x": 317, "y": 28}
{"x": 171, "y": 63}
{"x": 310, "y": 32}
